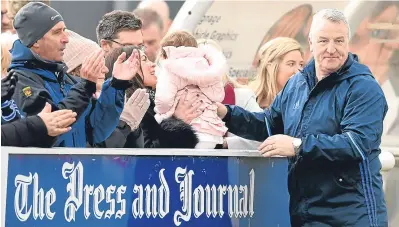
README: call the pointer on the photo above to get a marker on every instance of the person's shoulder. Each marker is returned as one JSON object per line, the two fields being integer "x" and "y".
{"x": 246, "y": 99}
{"x": 364, "y": 79}
{"x": 295, "y": 81}
{"x": 365, "y": 84}
{"x": 298, "y": 76}
{"x": 72, "y": 79}
{"x": 20, "y": 71}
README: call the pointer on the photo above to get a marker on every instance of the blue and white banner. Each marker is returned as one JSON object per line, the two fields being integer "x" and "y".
{"x": 154, "y": 190}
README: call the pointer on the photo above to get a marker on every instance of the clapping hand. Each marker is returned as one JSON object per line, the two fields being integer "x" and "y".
{"x": 135, "y": 108}
{"x": 93, "y": 67}
{"x": 126, "y": 69}
{"x": 57, "y": 122}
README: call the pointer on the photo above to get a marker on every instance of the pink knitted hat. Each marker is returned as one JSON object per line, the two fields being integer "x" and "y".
{"x": 77, "y": 50}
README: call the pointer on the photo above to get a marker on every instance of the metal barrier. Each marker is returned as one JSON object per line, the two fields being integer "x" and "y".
{"x": 144, "y": 187}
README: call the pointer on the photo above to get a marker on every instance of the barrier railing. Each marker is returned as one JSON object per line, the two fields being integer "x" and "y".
{"x": 144, "y": 187}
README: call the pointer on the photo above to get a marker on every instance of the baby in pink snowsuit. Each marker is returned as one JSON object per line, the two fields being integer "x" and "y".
{"x": 198, "y": 71}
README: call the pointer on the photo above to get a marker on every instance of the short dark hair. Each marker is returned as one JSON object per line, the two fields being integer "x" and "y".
{"x": 114, "y": 22}
{"x": 149, "y": 17}
{"x": 111, "y": 58}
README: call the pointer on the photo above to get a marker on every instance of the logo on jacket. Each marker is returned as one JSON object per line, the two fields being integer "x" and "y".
{"x": 296, "y": 106}
{"x": 9, "y": 111}
{"x": 27, "y": 91}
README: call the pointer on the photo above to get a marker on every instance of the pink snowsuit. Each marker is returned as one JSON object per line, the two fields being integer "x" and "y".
{"x": 199, "y": 71}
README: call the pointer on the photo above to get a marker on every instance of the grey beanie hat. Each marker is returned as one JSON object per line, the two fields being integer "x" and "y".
{"x": 34, "y": 20}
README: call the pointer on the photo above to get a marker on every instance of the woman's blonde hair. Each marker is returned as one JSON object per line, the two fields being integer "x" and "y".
{"x": 226, "y": 78}
{"x": 15, "y": 5}
{"x": 271, "y": 55}
{"x": 7, "y": 41}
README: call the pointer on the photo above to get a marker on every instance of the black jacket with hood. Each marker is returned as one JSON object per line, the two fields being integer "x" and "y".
{"x": 30, "y": 131}
{"x": 26, "y": 132}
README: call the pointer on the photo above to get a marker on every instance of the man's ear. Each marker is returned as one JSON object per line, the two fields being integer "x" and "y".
{"x": 36, "y": 45}
{"x": 310, "y": 43}
{"x": 105, "y": 45}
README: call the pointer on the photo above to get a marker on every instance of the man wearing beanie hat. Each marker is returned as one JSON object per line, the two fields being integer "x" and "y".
{"x": 37, "y": 61}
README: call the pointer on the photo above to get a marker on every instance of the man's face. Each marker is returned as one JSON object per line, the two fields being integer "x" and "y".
{"x": 329, "y": 46}
{"x": 51, "y": 47}
{"x": 152, "y": 40}
{"x": 5, "y": 20}
{"x": 124, "y": 38}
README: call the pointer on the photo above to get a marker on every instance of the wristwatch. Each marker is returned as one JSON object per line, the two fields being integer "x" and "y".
{"x": 297, "y": 145}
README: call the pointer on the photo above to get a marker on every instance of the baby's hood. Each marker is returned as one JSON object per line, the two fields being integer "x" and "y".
{"x": 200, "y": 66}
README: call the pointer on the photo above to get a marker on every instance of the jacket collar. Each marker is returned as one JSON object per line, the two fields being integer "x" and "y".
{"x": 309, "y": 71}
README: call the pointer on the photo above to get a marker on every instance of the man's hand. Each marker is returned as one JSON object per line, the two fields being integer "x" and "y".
{"x": 222, "y": 110}
{"x": 94, "y": 67}
{"x": 8, "y": 86}
{"x": 57, "y": 122}
{"x": 135, "y": 108}
{"x": 277, "y": 145}
{"x": 186, "y": 111}
{"x": 126, "y": 70}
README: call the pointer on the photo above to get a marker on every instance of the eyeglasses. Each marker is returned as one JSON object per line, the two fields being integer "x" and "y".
{"x": 141, "y": 47}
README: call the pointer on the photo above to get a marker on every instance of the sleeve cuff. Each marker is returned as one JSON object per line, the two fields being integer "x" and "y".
{"x": 227, "y": 118}
{"x": 38, "y": 125}
{"x": 124, "y": 128}
{"x": 40, "y": 131}
{"x": 120, "y": 84}
{"x": 90, "y": 86}
{"x": 304, "y": 143}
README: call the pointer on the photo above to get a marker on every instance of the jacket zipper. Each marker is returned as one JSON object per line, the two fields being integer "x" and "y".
{"x": 310, "y": 94}
{"x": 301, "y": 118}
{"x": 61, "y": 83}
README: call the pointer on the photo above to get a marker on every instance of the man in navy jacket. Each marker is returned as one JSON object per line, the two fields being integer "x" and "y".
{"x": 37, "y": 60}
{"x": 328, "y": 120}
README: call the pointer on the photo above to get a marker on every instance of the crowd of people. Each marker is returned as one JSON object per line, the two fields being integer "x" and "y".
{"x": 140, "y": 86}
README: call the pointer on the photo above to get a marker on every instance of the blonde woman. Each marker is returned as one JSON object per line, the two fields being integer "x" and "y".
{"x": 280, "y": 58}
{"x": 6, "y": 41}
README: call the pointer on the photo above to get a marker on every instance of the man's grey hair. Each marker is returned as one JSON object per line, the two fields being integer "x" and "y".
{"x": 333, "y": 15}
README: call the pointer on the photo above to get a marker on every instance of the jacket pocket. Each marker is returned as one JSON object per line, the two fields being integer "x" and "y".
{"x": 348, "y": 181}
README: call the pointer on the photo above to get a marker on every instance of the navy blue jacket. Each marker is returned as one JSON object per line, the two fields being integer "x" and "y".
{"x": 335, "y": 179}
{"x": 40, "y": 81}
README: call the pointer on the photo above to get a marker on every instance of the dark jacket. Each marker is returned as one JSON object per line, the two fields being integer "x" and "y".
{"x": 121, "y": 137}
{"x": 335, "y": 179}
{"x": 27, "y": 132}
{"x": 171, "y": 133}
{"x": 9, "y": 110}
{"x": 41, "y": 81}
